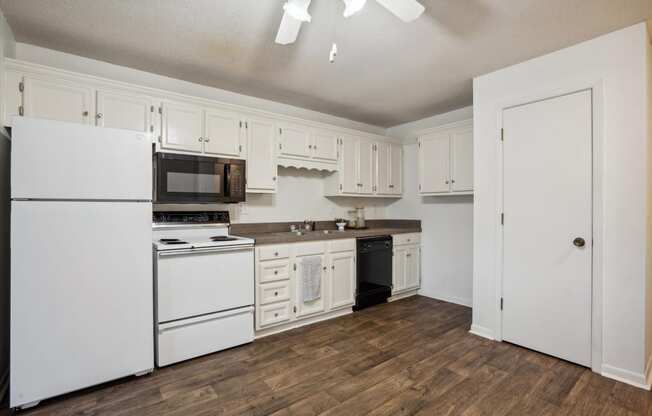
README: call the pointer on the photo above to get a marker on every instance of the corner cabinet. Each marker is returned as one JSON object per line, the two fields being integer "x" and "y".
{"x": 279, "y": 285}
{"x": 367, "y": 168}
{"x": 446, "y": 160}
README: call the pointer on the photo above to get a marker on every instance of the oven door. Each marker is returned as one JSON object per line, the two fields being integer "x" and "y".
{"x": 189, "y": 179}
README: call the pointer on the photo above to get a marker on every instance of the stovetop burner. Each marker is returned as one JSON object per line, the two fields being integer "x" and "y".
{"x": 223, "y": 238}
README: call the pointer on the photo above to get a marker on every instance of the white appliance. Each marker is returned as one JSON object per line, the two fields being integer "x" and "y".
{"x": 204, "y": 281}
{"x": 81, "y": 265}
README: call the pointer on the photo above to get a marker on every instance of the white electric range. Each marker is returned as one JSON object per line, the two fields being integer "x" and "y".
{"x": 204, "y": 285}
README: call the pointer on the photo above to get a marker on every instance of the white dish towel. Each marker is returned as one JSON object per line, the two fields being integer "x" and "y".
{"x": 311, "y": 278}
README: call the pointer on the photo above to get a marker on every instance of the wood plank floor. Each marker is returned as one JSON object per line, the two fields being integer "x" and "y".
{"x": 411, "y": 357}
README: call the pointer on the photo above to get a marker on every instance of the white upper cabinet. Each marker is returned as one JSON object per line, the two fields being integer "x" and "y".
{"x": 396, "y": 169}
{"x": 306, "y": 147}
{"x": 261, "y": 155}
{"x": 183, "y": 126}
{"x": 446, "y": 160}
{"x": 222, "y": 133}
{"x": 367, "y": 168}
{"x": 324, "y": 144}
{"x": 57, "y": 99}
{"x": 123, "y": 110}
{"x": 294, "y": 141}
{"x": 365, "y": 158}
{"x": 348, "y": 173}
{"x": 462, "y": 160}
{"x": 434, "y": 163}
{"x": 13, "y": 96}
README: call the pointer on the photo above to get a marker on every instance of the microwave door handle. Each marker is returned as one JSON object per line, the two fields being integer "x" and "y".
{"x": 227, "y": 181}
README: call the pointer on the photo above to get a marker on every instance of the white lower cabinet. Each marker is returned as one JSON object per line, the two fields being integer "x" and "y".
{"x": 279, "y": 282}
{"x": 406, "y": 264}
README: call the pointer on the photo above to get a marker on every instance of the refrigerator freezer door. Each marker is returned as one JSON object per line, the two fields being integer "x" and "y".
{"x": 57, "y": 160}
{"x": 81, "y": 300}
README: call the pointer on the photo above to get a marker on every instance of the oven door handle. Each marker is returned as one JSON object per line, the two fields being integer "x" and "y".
{"x": 248, "y": 247}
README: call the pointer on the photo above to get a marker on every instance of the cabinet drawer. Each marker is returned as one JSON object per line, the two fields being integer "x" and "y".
{"x": 273, "y": 252}
{"x": 274, "y": 292}
{"x": 271, "y": 271}
{"x": 404, "y": 239}
{"x": 338, "y": 246}
{"x": 274, "y": 314}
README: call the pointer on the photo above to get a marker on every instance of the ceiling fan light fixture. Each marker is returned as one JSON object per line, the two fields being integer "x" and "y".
{"x": 297, "y": 12}
{"x": 352, "y": 7}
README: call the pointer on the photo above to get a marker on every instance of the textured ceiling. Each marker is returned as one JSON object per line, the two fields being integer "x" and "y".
{"x": 387, "y": 72}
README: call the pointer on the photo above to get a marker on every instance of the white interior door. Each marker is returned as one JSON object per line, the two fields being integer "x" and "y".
{"x": 121, "y": 110}
{"x": 462, "y": 160}
{"x": 434, "y": 163}
{"x": 222, "y": 133}
{"x": 547, "y": 205}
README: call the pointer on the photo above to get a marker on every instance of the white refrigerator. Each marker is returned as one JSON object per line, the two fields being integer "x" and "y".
{"x": 81, "y": 258}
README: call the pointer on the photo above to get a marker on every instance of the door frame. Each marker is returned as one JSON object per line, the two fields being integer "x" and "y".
{"x": 597, "y": 96}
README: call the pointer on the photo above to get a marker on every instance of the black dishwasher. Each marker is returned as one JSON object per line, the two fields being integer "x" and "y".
{"x": 374, "y": 272}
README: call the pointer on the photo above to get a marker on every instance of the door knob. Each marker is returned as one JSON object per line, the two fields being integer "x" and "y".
{"x": 579, "y": 242}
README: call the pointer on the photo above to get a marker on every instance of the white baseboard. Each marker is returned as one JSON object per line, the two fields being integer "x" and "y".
{"x": 639, "y": 380}
{"x": 482, "y": 332}
{"x": 450, "y": 299}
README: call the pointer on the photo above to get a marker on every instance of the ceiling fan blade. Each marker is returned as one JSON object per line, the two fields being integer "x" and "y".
{"x": 289, "y": 28}
{"x": 406, "y": 10}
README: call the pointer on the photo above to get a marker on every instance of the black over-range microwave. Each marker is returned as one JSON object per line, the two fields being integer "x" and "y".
{"x": 185, "y": 179}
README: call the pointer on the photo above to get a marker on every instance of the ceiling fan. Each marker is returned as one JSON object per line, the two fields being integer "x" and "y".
{"x": 296, "y": 12}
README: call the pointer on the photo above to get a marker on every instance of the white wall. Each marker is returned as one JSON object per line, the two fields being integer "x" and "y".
{"x": 7, "y": 49}
{"x": 617, "y": 63}
{"x": 301, "y": 196}
{"x": 447, "y": 221}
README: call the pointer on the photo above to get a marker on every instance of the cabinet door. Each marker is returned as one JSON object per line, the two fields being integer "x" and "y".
{"x": 121, "y": 110}
{"x": 462, "y": 160}
{"x": 305, "y": 308}
{"x": 182, "y": 127}
{"x": 294, "y": 141}
{"x": 399, "y": 264}
{"x": 434, "y": 163}
{"x": 13, "y": 98}
{"x": 261, "y": 155}
{"x": 222, "y": 133}
{"x": 324, "y": 146}
{"x": 413, "y": 267}
{"x": 383, "y": 168}
{"x": 365, "y": 161}
{"x": 342, "y": 284}
{"x": 348, "y": 166}
{"x": 396, "y": 169}
{"x": 57, "y": 100}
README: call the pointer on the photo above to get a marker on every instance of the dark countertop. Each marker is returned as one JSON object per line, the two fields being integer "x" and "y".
{"x": 278, "y": 233}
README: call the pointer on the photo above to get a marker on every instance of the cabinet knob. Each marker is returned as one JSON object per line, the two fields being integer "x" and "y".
{"x": 99, "y": 116}
{"x": 276, "y": 254}
{"x": 333, "y": 267}
{"x": 275, "y": 271}
{"x": 309, "y": 146}
{"x": 276, "y": 315}
{"x": 85, "y": 113}
{"x": 275, "y": 293}
{"x": 207, "y": 139}
{"x": 452, "y": 180}
{"x": 274, "y": 178}
{"x": 391, "y": 186}
{"x": 200, "y": 139}
{"x": 324, "y": 268}
{"x": 314, "y": 147}
{"x": 446, "y": 182}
